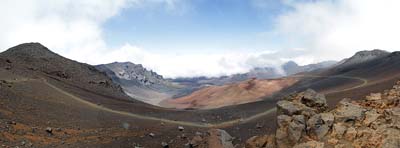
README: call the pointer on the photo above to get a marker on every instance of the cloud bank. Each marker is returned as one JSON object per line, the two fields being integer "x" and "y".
{"x": 310, "y": 31}
{"x": 335, "y": 29}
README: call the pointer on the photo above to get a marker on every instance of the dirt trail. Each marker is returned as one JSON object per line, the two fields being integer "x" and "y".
{"x": 185, "y": 123}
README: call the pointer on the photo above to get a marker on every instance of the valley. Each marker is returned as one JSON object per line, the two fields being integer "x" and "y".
{"x": 41, "y": 90}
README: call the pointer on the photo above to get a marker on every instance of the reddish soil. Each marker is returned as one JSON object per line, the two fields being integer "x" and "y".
{"x": 231, "y": 94}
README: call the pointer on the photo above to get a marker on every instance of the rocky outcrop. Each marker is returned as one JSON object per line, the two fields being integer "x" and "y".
{"x": 129, "y": 71}
{"x": 303, "y": 121}
{"x": 215, "y": 138}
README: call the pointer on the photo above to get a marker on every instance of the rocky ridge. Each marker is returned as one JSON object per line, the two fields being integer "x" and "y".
{"x": 362, "y": 56}
{"x": 130, "y": 71}
{"x": 304, "y": 121}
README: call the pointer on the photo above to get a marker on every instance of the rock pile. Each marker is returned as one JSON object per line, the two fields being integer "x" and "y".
{"x": 303, "y": 121}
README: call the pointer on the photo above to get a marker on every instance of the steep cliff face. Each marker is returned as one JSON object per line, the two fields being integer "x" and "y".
{"x": 133, "y": 72}
{"x": 304, "y": 121}
{"x": 140, "y": 83}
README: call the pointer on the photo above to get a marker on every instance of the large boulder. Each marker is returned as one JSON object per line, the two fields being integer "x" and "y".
{"x": 219, "y": 139}
{"x": 371, "y": 116}
{"x": 215, "y": 138}
{"x": 283, "y": 120}
{"x": 296, "y": 128}
{"x": 320, "y": 124}
{"x": 347, "y": 112}
{"x": 289, "y": 108}
{"x": 314, "y": 100}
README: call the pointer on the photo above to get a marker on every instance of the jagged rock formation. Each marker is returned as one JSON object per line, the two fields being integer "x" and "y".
{"x": 303, "y": 121}
{"x": 130, "y": 71}
{"x": 140, "y": 83}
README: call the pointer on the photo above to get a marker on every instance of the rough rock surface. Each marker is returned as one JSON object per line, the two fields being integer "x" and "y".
{"x": 303, "y": 121}
{"x": 215, "y": 138}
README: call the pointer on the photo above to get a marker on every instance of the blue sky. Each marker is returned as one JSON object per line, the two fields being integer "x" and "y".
{"x": 185, "y": 38}
{"x": 198, "y": 25}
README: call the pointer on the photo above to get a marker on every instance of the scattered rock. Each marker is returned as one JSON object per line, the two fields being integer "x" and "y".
{"x": 49, "y": 130}
{"x": 164, "y": 145}
{"x": 180, "y": 128}
{"x": 258, "y": 125}
{"x": 304, "y": 122}
{"x": 152, "y": 135}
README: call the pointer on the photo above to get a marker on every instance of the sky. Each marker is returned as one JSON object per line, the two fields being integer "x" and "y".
{"x": 186, "y": 38}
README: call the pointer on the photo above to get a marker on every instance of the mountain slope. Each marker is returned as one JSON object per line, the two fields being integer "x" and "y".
{"x": 362, "y": 57}
{"x": 35, "y": 60}
{"x": 230, "y": 94}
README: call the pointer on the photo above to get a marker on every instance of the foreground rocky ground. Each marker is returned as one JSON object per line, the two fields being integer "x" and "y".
{"x": 303, "y": 121}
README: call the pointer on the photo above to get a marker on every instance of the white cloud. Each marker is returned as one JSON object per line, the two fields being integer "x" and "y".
{"x": 336, "y": 29}
{"x": 186, "y": 65}
{"x": 311, "y": 31}
{"x": 74, "y": 29}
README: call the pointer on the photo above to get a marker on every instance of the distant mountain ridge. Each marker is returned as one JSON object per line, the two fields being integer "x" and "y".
{"x": 289, "y": 68}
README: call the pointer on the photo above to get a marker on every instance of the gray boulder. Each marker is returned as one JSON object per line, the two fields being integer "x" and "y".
{"x": 314, "y": 100}
{"x": 296, "y": 128}
{"x": 289, "y": 108}
{"x": 320, "y": 124}
{"x": 347, "y": 111}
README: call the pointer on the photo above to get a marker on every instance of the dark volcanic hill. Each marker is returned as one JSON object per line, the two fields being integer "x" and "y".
{"x": 362, "y": 57}
{"x": 35, "y": 60}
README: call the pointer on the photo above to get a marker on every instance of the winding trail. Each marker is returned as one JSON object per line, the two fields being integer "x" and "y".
{"x": 187, "y": 123}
